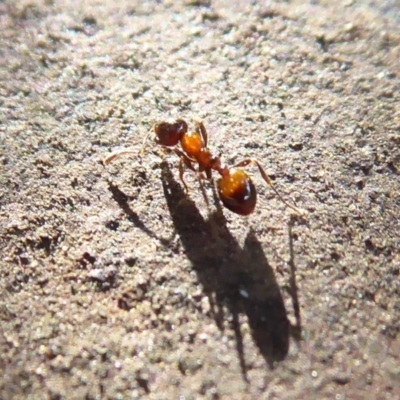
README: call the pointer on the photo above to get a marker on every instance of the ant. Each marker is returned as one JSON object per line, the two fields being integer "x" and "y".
{"x": 236, "y": 190}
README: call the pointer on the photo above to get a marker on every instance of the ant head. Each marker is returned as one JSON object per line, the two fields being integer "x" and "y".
{"x": 170, "y": 133}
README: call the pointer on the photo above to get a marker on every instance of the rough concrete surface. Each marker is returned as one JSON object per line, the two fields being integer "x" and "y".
{"x": 116, "y": 285}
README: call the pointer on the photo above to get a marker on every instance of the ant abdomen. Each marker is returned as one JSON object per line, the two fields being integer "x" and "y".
{"x": 169, "y": 134}
{"x": 237, "y": 192}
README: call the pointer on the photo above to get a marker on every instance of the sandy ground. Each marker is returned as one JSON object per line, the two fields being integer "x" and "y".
{"x": 115, "y": 285}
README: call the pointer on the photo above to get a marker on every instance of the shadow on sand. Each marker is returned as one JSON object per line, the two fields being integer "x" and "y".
{"x": 236, "y": 279}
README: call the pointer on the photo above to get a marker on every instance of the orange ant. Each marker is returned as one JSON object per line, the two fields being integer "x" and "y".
{"x": 235, "y": 188}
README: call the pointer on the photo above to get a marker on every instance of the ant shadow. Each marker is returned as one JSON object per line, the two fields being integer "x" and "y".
{"x": 236, "y": 279}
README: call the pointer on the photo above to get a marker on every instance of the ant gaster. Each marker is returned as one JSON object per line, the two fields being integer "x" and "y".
{"x": 235, "y": 188}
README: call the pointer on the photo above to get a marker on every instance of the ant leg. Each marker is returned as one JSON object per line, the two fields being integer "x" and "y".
{"x": 184, "y": 161}
{"x": 202, "y": 130}
{"x": 181, "y": 171}
{"x": 268, "y": 180}
{"x": 144, "y": 143}
{"x": 201, "y": 178}
{"x": 116, "y": 154}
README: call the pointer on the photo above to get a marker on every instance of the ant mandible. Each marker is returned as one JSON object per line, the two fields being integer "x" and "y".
{"x": 236, "y": 190}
